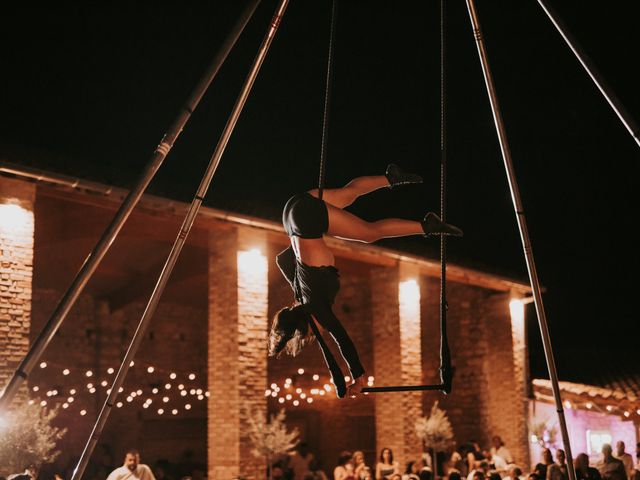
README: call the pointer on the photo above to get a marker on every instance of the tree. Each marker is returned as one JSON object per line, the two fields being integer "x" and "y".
{"x": 435, "y": 432}
{"x": 27, "y": 436}
{"x": 273, "y": 438}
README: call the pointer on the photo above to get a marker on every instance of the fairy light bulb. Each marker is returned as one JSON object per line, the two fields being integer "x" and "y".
{"x": 83, "y": 412}
{"x": 316, "y": 377}
{"x": 43, "y": 364}
{"x": 301, "y": 371}
{"x": 187, "y": 406}
{"x": 150, "y": 369}
{"x": 66, "y": 371}
{"x": 172, "y": 376}
{"x": 110, "y": 371}
{"x": 89, "y": 373}
{"x": 192, "y": 376}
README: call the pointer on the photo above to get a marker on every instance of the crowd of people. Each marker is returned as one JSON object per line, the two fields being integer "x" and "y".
{"x": 468, "y": 462}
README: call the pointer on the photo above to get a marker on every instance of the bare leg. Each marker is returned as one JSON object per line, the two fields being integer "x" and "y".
{"x": 345, "y": 196}
{"x": 350, "y": 227}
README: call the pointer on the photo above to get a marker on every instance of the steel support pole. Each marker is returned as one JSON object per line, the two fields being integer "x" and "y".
{"x": 524, "y": 234}
{"x": 586, "y": 62}
{"x": 99, "y": 251}
{"x": 179, "y": 242}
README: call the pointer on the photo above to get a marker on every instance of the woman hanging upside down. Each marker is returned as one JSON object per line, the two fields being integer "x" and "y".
{"x": 308, "y": 265}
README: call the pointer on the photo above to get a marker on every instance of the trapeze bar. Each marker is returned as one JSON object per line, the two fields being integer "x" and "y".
{"x": 402, "y": 388}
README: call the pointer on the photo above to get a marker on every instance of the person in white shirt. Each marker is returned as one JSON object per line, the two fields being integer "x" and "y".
{"x": 625, "y": 458}
{"x": 132, "y": 469}
{"x": 498, "y": 449}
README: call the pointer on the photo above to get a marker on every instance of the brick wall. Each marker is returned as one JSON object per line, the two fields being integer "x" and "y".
{"x": 487, "y": 397}
{"x": 238, "y": 303}
{"x": 16, "y": 271}
{"x": 397, "y": 360}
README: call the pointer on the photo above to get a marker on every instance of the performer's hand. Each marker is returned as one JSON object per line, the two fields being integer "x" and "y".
{"x": 355, "y": 388}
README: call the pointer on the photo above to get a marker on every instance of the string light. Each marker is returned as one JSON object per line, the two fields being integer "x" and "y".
{"x": 174, "y": 411}
{"x": 119, "y": 404}
{"x": 281, "y": 400}
{"x": 66, "y": 371}
{"x": 316, "y": 377}
{"x": 172, "y": 376}
{"x": 192, "y": 376}
{"x": 154, "y": 390}
{"x": 43, "y": 403}
{"x": 296, "y": 403}
{"x": 104, "y": 383}
{"x": 36, "y": 388}
{"x": 309, "y": 400}
{"x": 200, "y": 397}
{"x": 160, "y": 411}
{"x": 43, "y": 364}
{"x": 187, "y": 406}
{"x": 167, "y": 386}
{"x": 150, "y": 369}
{"x": 89, "y": 373}
{"x": 288, "y": 397}
{"x": 301, "y": 371}
{"x": 183, "y": 393}
{"x": 181, "y": 387}
{"x": 110, "y": 371}
{"x": 132, "y": 363}
{"x": 165, "y": 399}
{"x": 83, "y": 412}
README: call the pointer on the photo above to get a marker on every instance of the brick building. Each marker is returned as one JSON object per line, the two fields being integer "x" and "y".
{"x": 202, "y": 369}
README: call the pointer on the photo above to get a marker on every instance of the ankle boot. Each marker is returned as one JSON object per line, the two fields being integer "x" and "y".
{"x": 396, "y": 176}
{"x": 433, "y": 225}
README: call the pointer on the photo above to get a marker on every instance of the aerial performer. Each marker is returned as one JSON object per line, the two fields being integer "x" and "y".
{"x": 309, "y": 266}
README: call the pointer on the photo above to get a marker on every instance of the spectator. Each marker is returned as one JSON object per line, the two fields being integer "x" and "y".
{"x": 344, "y": 470}
{"x": 315, "y": 473}
{"x": 359, "y": 466}
{"x": 533, "y": 476}
{"x": 610, "y": 467}
{"x": 495, "y": 461}
{"x": 583, "y": 470}
{"x": 412, "y": 471}
{"x": 132, "y": 469}
{"x": 30, "y": 473}
{"x": 541, "y": 468}
{"x": 299, "y": 461}
{"x": 498, "y": 449}
{"x": 483, "y": 468}
{"x": 558, "y": 470}
{"x": 424, "y": 471}
{"x": 514, "y": 473}
{"x": 477, "y": 475}
{"x": 625, "y": 458}
{"x": 386, "y": 466}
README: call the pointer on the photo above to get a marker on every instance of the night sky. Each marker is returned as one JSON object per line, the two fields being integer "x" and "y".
{"x": 89, "y": 90}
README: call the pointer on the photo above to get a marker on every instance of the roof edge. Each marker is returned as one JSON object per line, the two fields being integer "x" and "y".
{"x": 114, "y": 194}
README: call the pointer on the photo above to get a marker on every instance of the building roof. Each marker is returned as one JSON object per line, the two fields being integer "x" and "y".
{"x": 606, "y": 380}
{"x": 367, "y": 253}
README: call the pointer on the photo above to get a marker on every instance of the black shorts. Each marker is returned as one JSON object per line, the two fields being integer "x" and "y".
{"x": 305, "y": 216}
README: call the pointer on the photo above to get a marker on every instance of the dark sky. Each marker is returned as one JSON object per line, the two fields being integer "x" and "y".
{"x": 90, "y": 89}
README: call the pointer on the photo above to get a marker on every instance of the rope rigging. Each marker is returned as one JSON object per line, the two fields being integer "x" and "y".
{"x": 445, "y": 369}
{"x": 327, "y": 99}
